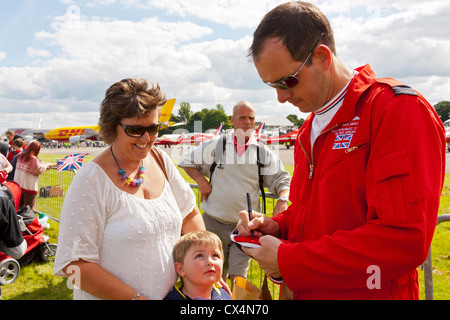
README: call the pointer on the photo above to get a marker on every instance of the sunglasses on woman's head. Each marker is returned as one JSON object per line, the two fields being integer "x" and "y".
{"x": 291, "y": 81}
{"x": 138, "y": 131}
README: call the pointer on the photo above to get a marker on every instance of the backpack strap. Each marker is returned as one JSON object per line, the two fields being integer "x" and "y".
{"x": 156, "y": 154}
{"x": 218, "y": 155}
{"x": 261, "y": 177}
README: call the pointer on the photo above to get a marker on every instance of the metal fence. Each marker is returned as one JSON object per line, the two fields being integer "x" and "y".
{"x": 428, "y": 265}
{"x": 53, "y": 186}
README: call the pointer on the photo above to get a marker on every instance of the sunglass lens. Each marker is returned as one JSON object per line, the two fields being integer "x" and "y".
{"x": 153, "y": 129}
{"x": 137, "y": 131}
{"x": 290, "y": 82}
{"x": 133, "y": 131}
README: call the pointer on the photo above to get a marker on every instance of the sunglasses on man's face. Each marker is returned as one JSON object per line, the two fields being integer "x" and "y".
{"x": 291, "y": 81}
{"x": 138, "y": 131}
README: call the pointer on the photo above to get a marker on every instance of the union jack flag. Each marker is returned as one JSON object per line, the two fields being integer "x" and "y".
{"x": 342, "y": 141}
{"x": 71, "y": 162}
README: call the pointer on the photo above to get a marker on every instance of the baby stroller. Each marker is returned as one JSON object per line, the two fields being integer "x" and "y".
{"x": 38, "y": 247}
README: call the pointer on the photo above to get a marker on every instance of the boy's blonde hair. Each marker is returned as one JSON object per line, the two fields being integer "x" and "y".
{"x": 195, "y": 238}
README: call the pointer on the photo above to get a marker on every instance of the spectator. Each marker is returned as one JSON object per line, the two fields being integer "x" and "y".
{"x": 28, "y": 169}
{"x": 17, "y": 147}
{"x": 4, "y": 147}
{"x": 198, "y": 259}
{"x": 18, "y": 144}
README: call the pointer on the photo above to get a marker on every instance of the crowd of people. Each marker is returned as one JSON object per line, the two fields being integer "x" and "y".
{"x": 369, "y": 171}
{"x": 70, "y": 145}
{"x": 20, "y": 163}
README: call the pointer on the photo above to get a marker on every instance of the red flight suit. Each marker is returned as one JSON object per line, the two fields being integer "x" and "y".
{"x": 365, "y": 200}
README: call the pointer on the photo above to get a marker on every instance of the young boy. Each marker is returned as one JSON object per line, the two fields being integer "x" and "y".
{"x": 198, "y": 261}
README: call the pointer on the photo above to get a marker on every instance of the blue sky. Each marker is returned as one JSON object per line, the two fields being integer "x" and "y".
{"x": 57, "y": 57}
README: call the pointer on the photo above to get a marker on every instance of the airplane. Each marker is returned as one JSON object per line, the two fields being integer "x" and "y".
{"x": 74, "y": 134}
{"x": 168, "y": 140}
{"x": 287, "y": 139}
{"x": 197, "y": 138}
{"x": 82, "y": 133}
{"x": 29, "y": 134}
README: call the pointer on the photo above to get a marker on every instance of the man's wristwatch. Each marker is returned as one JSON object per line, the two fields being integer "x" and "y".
{"x": 283, "y": 198}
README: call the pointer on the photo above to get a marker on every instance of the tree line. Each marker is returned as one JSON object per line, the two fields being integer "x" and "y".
{"x": 443, "y": 110}
{"x": 210, "y": 119}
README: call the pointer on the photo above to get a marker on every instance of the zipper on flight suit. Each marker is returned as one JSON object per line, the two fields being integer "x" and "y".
{"x": 311, "y": 160}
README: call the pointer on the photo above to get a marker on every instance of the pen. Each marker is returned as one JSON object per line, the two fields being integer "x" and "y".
{"x": 249, "y": 203}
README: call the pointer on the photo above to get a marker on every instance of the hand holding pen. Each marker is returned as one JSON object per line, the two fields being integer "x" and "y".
{"x": 250, "y": 215}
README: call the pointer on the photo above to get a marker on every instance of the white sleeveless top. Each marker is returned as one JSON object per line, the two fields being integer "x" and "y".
{"x": 130, "y": 237}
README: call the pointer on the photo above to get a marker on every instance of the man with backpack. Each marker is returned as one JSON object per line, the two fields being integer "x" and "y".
{"x": 236, "y": 164}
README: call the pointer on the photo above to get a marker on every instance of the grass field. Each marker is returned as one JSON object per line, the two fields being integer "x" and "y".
{"x": 36, "y": 281}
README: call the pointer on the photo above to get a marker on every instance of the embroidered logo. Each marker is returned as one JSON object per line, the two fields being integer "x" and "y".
{"x": 344, "y": 135}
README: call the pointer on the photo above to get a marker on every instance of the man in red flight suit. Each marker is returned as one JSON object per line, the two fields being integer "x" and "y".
{"x": 369, "y": 169}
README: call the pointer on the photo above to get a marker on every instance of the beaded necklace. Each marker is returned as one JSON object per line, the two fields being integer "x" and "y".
{"x": 125, "y": 176}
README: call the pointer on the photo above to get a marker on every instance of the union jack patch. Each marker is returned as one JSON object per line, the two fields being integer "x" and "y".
{"x": 342, "y": 141}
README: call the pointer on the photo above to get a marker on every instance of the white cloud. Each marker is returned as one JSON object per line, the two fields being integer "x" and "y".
{"x": 2, "y": 55}
{"x": 34, "y": 52}
{"x": 234, "y": 13}
{"x": 20, "y": 83}
{"x": 404, "y": 39}
{"x": 101, "y": 52}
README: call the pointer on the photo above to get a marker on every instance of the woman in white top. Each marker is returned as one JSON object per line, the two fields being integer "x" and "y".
{"x": 123, "y": 214}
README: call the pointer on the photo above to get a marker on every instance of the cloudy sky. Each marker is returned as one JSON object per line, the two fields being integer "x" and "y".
{"x": 57, "y": 57}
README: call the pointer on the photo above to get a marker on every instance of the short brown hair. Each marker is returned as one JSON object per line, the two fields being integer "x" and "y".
{"x": 18, "y": 142}
{"x": 127, "y": 98}
{"x": 298, "y": 24}
{"x": 195, "y": 238}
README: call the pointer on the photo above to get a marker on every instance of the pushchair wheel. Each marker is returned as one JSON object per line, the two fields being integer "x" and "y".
{"x": 9, "y": 271}
{"x": 48, "y": 252}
